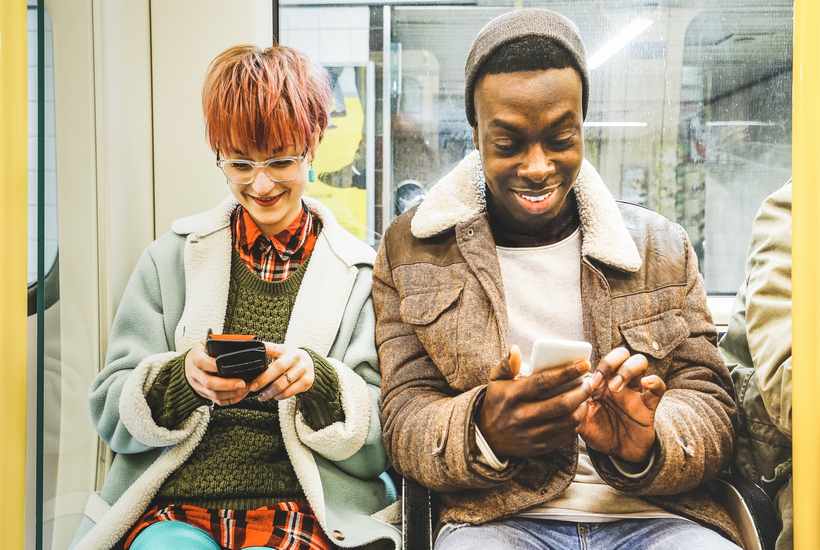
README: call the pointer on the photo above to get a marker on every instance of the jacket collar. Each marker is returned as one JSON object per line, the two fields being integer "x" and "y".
{"x": 349, "y": 249}
{"x": 337, "y": 257}
{"x": 453, "y": 201}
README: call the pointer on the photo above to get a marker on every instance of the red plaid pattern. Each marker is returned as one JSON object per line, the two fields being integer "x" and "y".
{"x": 275, "y": 259}
{"x": 284, "y": 525}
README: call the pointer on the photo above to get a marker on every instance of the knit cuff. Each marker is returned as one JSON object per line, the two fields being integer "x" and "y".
{"x": 632, "y": 470}
{"x": 321, "y": 405}
{"x": 171, "y": 398}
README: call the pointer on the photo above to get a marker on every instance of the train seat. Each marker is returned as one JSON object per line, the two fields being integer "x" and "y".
{"x": 748, "y": 504}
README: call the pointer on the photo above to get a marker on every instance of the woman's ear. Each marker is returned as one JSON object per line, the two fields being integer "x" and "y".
{"x": 475, "y": 136}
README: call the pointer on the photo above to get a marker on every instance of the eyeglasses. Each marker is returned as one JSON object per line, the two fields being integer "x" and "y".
{"x": 278, "y": 170}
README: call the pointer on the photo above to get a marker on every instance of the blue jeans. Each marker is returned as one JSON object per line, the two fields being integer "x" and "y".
{"x": 543, "y": 534}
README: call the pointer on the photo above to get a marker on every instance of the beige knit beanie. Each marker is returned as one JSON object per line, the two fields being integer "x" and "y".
{"x": 519, "y": 24}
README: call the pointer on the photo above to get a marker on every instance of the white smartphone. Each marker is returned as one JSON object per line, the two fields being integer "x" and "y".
{"x": 548, "y": 353}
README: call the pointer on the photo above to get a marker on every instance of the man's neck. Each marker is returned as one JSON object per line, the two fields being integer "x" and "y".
{"x": 555, "y": 231}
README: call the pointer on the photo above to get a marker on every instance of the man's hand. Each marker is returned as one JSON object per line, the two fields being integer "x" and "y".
{"x": 620, "y": 418}
{"x": 200, "y": 370}
{"x": 524, "y": 417}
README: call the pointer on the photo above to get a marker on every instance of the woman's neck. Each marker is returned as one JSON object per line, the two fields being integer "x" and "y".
{"x": 271, "y": 230}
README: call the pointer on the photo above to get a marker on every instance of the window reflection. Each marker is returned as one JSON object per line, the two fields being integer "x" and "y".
{"x": 690, "y": 107}
{"x": 50, "y": 205}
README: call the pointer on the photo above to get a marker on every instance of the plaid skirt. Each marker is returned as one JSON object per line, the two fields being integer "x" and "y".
{"x": 284, "y": 525}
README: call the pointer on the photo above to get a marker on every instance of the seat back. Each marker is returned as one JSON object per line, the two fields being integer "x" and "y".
{"x": 749, "y": 506}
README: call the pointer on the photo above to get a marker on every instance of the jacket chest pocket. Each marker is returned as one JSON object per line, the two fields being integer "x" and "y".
{"x": 433, "y": 313}
{"x": 656, "y": 337}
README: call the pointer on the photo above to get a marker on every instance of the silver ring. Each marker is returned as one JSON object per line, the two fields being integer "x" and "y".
{"x": 287, "y": 375}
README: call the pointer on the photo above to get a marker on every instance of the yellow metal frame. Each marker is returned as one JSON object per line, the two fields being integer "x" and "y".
{"x": 806, "y": 271}
{"x": 13, "y": 275}
{"x": 806, "y": 274}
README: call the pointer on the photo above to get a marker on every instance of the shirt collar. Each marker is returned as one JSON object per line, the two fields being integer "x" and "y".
{"x": 286, "y": 243}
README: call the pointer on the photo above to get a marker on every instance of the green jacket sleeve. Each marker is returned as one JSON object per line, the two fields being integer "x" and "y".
{"x": 769, "y": 304}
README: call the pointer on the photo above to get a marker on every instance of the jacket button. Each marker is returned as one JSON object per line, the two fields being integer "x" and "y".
{"x": 655, "y": 345}
{"x": 338, "y": 535}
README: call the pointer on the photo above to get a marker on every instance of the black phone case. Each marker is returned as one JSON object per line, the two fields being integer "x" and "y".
{"x": 243, "y": 359}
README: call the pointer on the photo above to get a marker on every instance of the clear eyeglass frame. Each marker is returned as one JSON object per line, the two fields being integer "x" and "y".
{"x": 267, "y": 166}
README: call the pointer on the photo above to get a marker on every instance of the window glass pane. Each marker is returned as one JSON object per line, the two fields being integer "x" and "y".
{"x": 689, "y": 115}
{"x": 56, "y": 525}
{"x": 50, "y": 206}
{"x": 734, "y": 146}
{"x": 338, "y": 39}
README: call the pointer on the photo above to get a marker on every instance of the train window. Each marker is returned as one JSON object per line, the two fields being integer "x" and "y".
{"x": 50, "y": 206}
{"x": 61, "y": 340}
{"x": 338, "y": 39}
{"x": 690, "y": 107}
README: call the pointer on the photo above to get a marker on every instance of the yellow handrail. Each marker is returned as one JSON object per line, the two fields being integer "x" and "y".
{"x": 13, "y": 275}
{"x": 806, "y": 274}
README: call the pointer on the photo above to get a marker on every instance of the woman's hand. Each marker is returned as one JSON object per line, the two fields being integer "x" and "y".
{"x": 620, "y": 417}
{"x": 290, "y": 372}
{"x": 200, "y": 369}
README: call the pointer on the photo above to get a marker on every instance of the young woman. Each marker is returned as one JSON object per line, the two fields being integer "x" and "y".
{"x": 292, "y": 459}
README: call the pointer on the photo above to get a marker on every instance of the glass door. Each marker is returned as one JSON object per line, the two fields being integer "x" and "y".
{"x": 63, "y": 271}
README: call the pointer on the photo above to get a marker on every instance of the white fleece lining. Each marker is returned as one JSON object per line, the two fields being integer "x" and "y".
{"x": 207, "y": 260}
{"x": 179, "y": 445}
{"x": 605, "y": 236}
{"x": 207, "y": 273}
{"x": 135, "y": 413}
{"x": 317, "y": 312}
{"x": 453, "y": 200}
{"x": 128, "y": 509}
{"x": 341, "y": 440}
{"x": 317, "y": 332}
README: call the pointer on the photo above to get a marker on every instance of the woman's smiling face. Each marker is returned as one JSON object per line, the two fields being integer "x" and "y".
{"x": 529, "y": 132}
{"x": 261, "y": 104}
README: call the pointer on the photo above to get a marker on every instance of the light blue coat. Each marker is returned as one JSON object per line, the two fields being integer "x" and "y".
{"x": 178, "y": 290}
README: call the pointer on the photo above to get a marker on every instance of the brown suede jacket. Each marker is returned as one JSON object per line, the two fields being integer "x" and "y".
{"x": 442, "y": 325}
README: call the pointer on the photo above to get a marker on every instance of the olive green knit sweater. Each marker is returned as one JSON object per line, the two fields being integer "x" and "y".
{"x": 241, "y": 462}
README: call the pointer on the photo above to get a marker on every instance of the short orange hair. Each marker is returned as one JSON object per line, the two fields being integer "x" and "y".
{"x": 264, "y": 99}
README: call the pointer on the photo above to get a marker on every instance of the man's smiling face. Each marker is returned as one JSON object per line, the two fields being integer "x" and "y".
{"x": 529, "y": 131}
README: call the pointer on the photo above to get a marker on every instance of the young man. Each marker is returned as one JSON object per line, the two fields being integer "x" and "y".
{"x": 521, "y": 241}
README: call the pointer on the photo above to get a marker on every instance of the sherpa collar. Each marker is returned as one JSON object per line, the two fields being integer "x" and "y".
{"x": 453, "y": 200}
